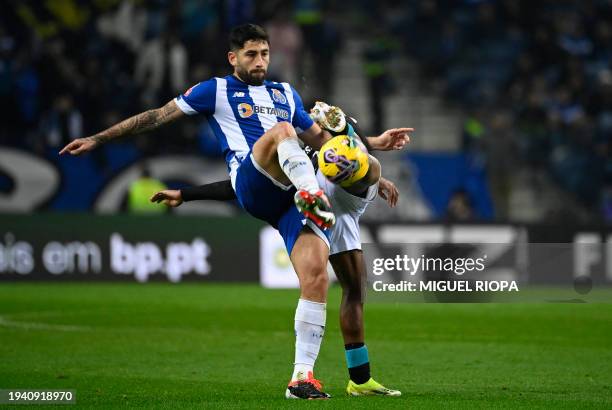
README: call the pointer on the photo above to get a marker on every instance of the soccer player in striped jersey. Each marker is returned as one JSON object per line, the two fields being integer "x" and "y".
{"x": 258, "y": 124}
{"x": 345, "y": 243}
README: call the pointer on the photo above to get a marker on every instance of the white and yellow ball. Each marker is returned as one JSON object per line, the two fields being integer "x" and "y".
{"x": 343, "y": 160}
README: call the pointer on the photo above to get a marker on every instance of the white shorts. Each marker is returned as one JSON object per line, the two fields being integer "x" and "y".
{"x": 344, "y": 235}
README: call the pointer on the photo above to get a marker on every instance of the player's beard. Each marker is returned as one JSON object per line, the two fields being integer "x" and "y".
{"x": 253, "y": 77}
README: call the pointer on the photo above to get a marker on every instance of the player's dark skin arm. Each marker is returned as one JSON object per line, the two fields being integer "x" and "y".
{"x": 392, "y": 139}
{"x": 360, "y": 187}
{"x": 139, "y": 123}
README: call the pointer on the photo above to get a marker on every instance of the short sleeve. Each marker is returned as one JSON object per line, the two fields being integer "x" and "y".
{"x": 199, "y": 99}
{"x": 301, "y": 119}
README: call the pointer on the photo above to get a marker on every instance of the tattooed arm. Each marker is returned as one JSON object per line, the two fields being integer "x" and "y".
{"x": 143, "y": 122}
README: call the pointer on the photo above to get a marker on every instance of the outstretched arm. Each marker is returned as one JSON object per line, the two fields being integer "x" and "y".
{"x": 334, "y": 120}
{"x": 219, "y": 191}
{"x": 143, "y": 122}
{"x": 393, "y": 139}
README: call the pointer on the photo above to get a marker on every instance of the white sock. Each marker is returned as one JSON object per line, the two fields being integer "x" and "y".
{"x": 309, "y": 329}
{"x": 296, "y": 165}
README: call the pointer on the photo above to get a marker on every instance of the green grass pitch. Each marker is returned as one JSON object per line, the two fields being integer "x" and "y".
{"x": 231, "y": 346}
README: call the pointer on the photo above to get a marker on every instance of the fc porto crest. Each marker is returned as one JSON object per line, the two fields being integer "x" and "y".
{"x": 278, "y": 97}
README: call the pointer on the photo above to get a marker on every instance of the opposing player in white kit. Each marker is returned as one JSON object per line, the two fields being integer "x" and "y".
{"x": 345, "y": 251}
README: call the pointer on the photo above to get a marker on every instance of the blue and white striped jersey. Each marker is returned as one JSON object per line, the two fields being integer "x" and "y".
{"x": 239, "y": 114}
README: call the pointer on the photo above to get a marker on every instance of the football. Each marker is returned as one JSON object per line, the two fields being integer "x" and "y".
{"x": 343, "y": 160}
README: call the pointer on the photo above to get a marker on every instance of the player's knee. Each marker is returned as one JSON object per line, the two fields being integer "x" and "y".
{"x": 320, "y": 281}
{"x": 315, "y": 280}
{"x": 352, "y": 293}
{"x": 352, "y": 284}
{"x": 283, "y": 130}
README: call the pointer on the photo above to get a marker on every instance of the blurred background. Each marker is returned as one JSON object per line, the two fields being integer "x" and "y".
{"x": 511, "y": 100}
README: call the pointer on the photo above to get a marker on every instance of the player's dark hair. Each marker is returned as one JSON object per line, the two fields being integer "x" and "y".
{"x": 241, "y": 34}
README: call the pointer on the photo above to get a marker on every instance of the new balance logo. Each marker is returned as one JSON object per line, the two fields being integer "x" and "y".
{"x": 238, "y": 94}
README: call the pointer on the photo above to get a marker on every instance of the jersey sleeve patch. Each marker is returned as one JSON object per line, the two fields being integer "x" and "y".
{"x": 199, "y": 99}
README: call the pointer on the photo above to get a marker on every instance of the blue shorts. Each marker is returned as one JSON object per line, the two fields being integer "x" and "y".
{"x": 271, "y": 201}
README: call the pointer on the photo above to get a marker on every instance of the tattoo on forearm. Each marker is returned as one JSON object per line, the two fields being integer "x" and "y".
{"x": 143, "y": 122}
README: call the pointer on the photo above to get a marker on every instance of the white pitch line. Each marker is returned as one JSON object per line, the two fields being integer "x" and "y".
{"x": 41, "y": 326}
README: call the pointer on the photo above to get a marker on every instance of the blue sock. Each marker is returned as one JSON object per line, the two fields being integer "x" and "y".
{"x": 358, "y": 362}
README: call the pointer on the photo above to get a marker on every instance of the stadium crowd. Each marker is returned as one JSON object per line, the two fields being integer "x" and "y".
{"x": 534, "y": 78}
{"x": 71, "y": 68}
